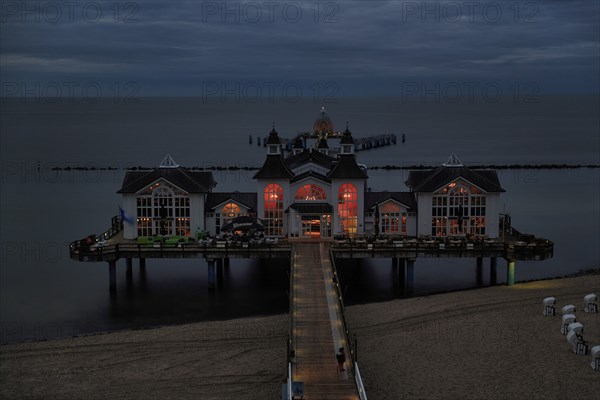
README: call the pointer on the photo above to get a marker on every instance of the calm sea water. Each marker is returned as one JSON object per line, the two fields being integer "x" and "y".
{"x": 46, "y": 295}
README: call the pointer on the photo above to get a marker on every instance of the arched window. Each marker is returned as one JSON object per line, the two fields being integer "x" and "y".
{"x": 230, "y": 210}
{"x": 457, "y": 210}
{"x": 348, "y": 208}
{"x": 162, "y": 207}
{"x": 310, "y": 192}
{"x": 273, "y": 215}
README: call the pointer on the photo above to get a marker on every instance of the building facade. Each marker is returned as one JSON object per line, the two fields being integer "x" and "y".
{"x": 315, "y": 192}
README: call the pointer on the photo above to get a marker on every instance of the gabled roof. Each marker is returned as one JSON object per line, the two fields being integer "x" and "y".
{"x": 190, "y": 181}
{"x": 246, "y": 199}
{"x": 274, "y": 168}
{"x": 432, "y": 180}
{"x": 347, "y": 168}
{"x": 311, "y": 174}
{"x": 374, "y": 198}
{"x": 308, "y": 156}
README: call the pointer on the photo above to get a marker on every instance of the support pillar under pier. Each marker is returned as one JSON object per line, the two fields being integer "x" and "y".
{"x": 211, "y": 274}
{"x": 510, "y": 272}
{"x": 143, "y": 281}
{"x": 479, "y": 271}
{"x": 112, "y": 276}
{"x": 129, "y": 272}
{"x": 220, "y": 262}
{"x": 493, "y": 272}
{"x": 410, "y": 277}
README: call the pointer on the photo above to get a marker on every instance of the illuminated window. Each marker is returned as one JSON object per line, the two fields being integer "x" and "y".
{"x": 273, "y": 204}
{"x": 230, "y": 210}
{"x": 163, "y": 204}
{"x": 393, "y": 222}
{"x": 310, "y": 192}
{"x": 348, "y": 208}
{"x": 458, "y": 210}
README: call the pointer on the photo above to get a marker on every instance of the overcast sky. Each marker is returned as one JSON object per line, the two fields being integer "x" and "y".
{"x": 350, "y": 47}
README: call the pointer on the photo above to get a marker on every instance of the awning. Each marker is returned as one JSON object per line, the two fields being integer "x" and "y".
{"x": 312, "y": 208}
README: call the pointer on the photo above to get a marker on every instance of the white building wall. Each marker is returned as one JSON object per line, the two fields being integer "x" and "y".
{"x": 130, "y": 208}
{"x": 424, "y": 201}
{"x": 411, "y": 224}
{"x": 197, "y": 201}
{"x": 492, "y": 215}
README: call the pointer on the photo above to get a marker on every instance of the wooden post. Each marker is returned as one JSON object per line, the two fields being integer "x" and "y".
{"x": 510, "y": 272}
{"x": 129, "y": 272}
{"x": 479, "y": 271}
{"x": 493, "y": 272}
{"x": 112, "y": 276}
{"x": 211, "y": 273}
{"x": 410, "y": 277}
{"x": 219, "y": 277}
{"x": 402, "y": 275}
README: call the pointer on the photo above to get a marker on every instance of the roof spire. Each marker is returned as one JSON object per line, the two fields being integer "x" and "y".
{"x": 453, "y": 161}
{"x": 168, "y": 162}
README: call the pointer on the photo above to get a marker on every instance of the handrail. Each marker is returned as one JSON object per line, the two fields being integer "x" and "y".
{"x": 289, "y": 382}
{"x": 291, "y": 338}
{"x": 357, "y": 378}
{"x": 359, "y": 383}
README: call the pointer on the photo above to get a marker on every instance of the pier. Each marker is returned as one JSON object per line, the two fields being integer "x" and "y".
{"x": 360, "y": 144}
{"x": 318, "y": 327}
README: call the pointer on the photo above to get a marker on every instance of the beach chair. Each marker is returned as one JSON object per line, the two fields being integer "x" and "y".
{"x": 568, "y": 309}
{"x": 549, "y": 310}
{"x": 578, "y": 345}
{"x": 297, "y": 390}
{"x": 566, "y": 320}
{"x": 576, "y": 327}
{"x": 596, "y": 358}
{"x": 591, "y": 306}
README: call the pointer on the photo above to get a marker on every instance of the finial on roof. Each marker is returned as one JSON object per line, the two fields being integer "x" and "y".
{"x": 453, "y": 161}
{"x": 168, "y": 162}
{"x": 346, "y": 125}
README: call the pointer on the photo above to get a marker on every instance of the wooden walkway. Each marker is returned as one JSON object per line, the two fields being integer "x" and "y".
{"x": 317, "y": 326}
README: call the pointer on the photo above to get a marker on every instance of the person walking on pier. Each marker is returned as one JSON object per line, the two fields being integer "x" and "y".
{"x": 341, "y": 359}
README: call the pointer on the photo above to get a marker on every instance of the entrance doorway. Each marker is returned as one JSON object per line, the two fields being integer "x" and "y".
{"x": 311, "y": 226}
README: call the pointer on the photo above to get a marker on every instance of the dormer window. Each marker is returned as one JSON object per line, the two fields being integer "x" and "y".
{"x": 273, "y": 149}
{"x": 347, "y": 149}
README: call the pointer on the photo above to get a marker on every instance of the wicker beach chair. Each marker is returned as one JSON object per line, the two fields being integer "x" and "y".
{"x": 596, "y": 358}
{"x": 591, "y": 305}
{"x": 549, "y": 310}
{"x": 566, "y": 320}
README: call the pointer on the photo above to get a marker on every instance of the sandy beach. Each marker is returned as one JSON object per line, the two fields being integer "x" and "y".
{"x": 490, "y": 343}
{"x": 236, "y": 359}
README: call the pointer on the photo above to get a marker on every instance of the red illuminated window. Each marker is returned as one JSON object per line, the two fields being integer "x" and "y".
{"x": 348, "y": 208}
{"x": 310, "y": 192}
{"x": 273, "y": 215}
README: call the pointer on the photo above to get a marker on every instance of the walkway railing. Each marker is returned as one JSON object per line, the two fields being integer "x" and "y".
{"x": 359, "y": 383}
{"x": 289, "y": 382}
{"x": 161, "y": 249}
{"x": 353, "y": 346}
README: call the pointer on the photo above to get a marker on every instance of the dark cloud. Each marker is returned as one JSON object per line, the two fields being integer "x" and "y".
{"x": 366, "y": 47}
